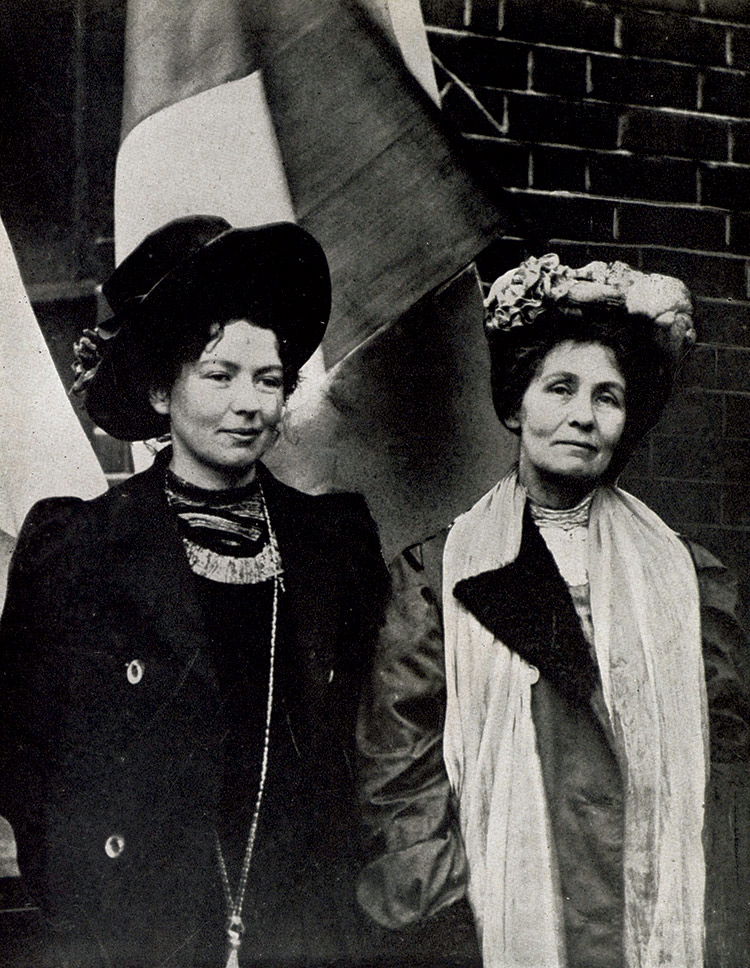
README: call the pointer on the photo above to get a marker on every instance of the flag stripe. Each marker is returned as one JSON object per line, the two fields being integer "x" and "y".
{"x": 215, "y": 152}
{"x": 45, "y": 451}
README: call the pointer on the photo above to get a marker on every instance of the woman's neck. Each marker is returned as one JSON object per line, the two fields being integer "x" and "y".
{"x": 553, "y": 491}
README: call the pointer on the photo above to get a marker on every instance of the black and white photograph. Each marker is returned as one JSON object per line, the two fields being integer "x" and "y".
{"x": 375, "y": 484}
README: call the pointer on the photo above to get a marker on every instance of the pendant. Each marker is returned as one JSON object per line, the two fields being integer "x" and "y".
{"x": 235, "y": 930}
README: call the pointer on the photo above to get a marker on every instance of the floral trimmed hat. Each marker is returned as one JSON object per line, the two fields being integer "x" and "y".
{"x": 519, "y": 299}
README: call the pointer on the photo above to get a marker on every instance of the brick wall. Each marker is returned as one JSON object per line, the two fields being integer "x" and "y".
{"x": 622, "y": 131}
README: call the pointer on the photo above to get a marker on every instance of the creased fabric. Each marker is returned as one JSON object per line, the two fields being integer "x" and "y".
{"x": 647, "y": 638}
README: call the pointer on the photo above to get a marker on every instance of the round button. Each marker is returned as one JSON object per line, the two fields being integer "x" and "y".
{"x": 533, "y": 675}
{"x": 330, "y": 676}
{"x": 114, "y": 845}
{"x": 135, "y": 672}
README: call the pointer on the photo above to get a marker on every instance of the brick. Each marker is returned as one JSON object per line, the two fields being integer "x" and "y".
{"x": 639, "y": 462}
{"x": 485, "y": 16}
{"x": 737, "y": 11}
{"x": 737, "y": 415}
{"x": 726, "y": 92}
{"x": 500, "y": 255}
{"x": 725, "y": 186}
{"x": 696, "y": 458}
{"x": 443, "y": 13}
{"x": 678, "y": 501}
{"x": 693, "y": 413}
{"x": 537, "y": 118}
{"x": 678, "y": 6}
{"x": 581, "y": 253}
{"x": 724, "y": 322}
{"x": 482, "y": 60}
{"x": 504, "y": 163}
{"x": 569, "y": 23}
{"x": 561, "y": 217}
{"x": 559, "y": 72}
{"x": 740, "y": 135}
{"x": 717, "y": 276}
{"x": 672, "y": 38}
{"x": 736, "y": 505}
{"x": 698, "y": 369}
{"x": 740, "y": 46}
{"x": 631, "y": 176}
{"x": 686, "y": 136}
{"x": 735, "y": 457}
{"x": 689, "y": 228}
{"x": 626, "y": 81}
{"x": 462, "y": 113}
{"x": 739, "y": 232}
{"x": 559, "y": 169}
{"x": 733, "y": 371}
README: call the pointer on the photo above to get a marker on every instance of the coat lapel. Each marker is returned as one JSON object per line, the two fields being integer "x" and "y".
{"x": 148, "y": 565}
{"x": 527, "y": 606}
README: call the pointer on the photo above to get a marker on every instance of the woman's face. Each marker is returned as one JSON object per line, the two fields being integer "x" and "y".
{"x": 571, "y": 419}
{"x": 224, "y": 407}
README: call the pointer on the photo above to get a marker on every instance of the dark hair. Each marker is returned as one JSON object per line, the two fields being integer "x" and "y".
{"x": 517, "y": 355}
{"x": 165, "y": 361}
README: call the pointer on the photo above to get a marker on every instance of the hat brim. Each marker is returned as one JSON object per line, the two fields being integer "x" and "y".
{"x": 276, "y": 275}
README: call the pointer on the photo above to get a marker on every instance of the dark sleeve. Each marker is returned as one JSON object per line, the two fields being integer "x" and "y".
{"x": 726, "y": 657}
{"x": 32, "y": 672}
{"x": 355, "y": 533}
{"x": 417, "y": 866}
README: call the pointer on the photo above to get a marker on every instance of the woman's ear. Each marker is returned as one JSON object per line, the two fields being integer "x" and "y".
{"x": 513, "y": 422}
{"x": 159, "y": 400}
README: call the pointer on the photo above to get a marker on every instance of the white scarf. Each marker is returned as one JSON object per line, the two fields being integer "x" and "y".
{"x": 645, "y": 611}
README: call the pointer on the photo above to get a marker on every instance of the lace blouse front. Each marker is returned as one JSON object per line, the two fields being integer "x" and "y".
{"x": 565, "y": 532}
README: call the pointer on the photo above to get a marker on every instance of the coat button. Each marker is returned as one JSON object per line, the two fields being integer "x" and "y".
{"x": 135, "y": 672}
{"x": 330, "y": 676}
{"x": 114, "y": 845}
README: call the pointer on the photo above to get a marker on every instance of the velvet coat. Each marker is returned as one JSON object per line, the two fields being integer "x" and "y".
{"x": 417, "y": 868}
{"x": 93, "y": 751}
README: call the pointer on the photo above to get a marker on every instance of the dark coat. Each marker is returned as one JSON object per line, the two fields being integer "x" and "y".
{"x": 417, "y": 868}
{"x": 89, "y": 754}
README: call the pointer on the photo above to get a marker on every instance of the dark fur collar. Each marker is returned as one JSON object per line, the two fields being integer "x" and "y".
{"x": 526, "y": 605}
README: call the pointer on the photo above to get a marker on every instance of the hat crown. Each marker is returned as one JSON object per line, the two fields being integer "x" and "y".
{"x": 158, "y": 254}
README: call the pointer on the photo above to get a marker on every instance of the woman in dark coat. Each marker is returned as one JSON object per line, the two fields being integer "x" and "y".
{"x": 535, "y": 737}
{"x": 181, "y": 656}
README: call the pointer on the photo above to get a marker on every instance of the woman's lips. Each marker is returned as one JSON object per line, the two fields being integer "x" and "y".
{"x": 242, "y": 434}
{"x": 583, "y": 444}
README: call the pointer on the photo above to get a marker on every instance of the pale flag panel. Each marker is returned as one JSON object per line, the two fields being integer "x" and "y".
{"x": 43, "y": 449}
{"x": 369, "y": 169}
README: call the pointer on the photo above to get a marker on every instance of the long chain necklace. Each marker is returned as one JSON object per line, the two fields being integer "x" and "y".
{"x": 235, "y": 927}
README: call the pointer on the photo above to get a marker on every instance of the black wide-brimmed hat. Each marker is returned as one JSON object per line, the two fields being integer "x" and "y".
{"x": 185, "y": 275}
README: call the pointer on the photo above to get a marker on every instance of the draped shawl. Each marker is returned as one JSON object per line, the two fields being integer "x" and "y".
{"x": 645, "y": 612}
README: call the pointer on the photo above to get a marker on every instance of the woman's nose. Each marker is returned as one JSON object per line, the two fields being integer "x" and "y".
{"x": 247, "y": 397}
{"x": 581, "y": 411}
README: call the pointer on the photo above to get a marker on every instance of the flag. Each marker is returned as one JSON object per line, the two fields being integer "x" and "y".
{"x": 323, "y": 112}
{"x": 44, "y": 450}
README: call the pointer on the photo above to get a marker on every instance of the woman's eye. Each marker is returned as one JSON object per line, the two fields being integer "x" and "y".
{"x": 218, "y": 376}
{"x": 270, "y": 382}
{"x": 560, "y": 388}
{"x": 610, "y": 400}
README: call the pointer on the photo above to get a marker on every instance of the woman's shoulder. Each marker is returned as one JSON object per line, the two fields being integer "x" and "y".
{"x": 717, "y": 583}
{"x": 339, "y": 508}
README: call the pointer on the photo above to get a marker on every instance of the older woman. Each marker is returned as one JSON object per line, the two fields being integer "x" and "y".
{"x": 180, "y": 657}
{"x": 536, "y": 733}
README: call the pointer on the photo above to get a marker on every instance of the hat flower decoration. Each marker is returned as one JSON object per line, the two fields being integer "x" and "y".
{"x": 519, "y": 297}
